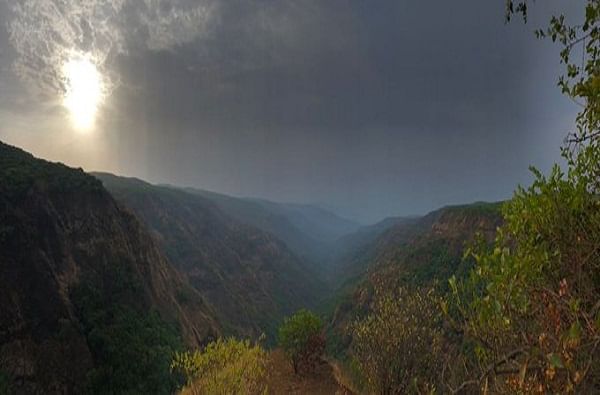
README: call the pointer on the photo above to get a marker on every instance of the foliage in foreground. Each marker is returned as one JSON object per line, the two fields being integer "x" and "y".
{"x": 532, "y": 304}
{"x": 527, "y": 315}
{"x": 580, "y": 55}
{"x": 399, "y": 344}
{"x": 223, "y": 367}
{"x": 301, "y": 338}
{"x": 525, "y": 319}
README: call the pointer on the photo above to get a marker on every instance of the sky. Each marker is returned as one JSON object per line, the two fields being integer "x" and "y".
{"x": 368, "y": 108}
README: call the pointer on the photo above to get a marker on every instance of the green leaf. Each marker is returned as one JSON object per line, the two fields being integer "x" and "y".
{"x": 575, "y": 331}
{"x": 555, "y": 360}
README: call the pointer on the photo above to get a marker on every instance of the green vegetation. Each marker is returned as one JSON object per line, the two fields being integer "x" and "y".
{"x": 399, "y": 343}
{"x": 249, "y": 278}
{"x": 4, "y": 383}
{"x": 580, "y": 53}
{"x": 301, "y": 338}
{"x": 477, "y": 208}
{"x": 223, "y": 367}
{"x": 132, "y": 348}
{"x": 530, "y": 306}
{"x": 19, "y": 171}
{"x": 523, "y": 314}
{"x": 534, "y": 295}
{"x": 431, "y": 263}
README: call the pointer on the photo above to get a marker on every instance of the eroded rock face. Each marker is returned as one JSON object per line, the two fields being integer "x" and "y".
{"x": 59, "y": 227}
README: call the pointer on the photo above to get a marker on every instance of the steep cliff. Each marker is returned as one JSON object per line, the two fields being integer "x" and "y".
{"x": 78, "y": 275}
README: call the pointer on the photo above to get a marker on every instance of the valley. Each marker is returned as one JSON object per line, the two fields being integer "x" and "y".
{"x": 345, "y": 198}
{"x": 83, "y": 254}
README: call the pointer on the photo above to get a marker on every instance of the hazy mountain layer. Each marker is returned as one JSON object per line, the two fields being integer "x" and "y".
{"x": 249, "y": 276}
{"x": 309, "y": 231}
{"x": 351, "y": 254}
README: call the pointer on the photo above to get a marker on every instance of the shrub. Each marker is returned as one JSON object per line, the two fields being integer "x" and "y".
{"x": 398, "y": 345}
{"x": 531, "y": 303}
{"x": 223, "y": 367}
{"x": 301, "y": 338}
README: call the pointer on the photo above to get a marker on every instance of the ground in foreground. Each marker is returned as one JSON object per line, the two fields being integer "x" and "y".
{"x": 282, "y": 379}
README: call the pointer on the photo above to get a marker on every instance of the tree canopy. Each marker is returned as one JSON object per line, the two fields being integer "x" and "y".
{"x": 300, "y": 337}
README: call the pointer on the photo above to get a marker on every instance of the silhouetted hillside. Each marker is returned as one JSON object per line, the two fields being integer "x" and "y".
{"x": 87, "y": 300}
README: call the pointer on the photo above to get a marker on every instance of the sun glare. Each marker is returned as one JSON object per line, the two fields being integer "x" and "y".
{"x": 83, "y": 91}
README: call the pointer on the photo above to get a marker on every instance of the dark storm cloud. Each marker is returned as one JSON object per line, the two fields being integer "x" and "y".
{"x": 343, "y": 64}
{"x": 372, "y": 108}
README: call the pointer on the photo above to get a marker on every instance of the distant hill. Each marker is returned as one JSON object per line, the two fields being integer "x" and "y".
{"x": 309, "y": 231}
{"x": 88, "y": 303}
{"x": 312, "y": 220}
{"x": 250, "y": 277}
{"x": 352, "y": 253}
{"x": 413, "y": 252}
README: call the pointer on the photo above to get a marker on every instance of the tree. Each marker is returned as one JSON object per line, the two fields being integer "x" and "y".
{"x": 580, "y": 54}
{"x": 398, "y": 344}
{"x": 132, "y": 345}
{"x": 531, "y": 305}
{"x": 223, "y": 367}
{"x": 302, "y": 340}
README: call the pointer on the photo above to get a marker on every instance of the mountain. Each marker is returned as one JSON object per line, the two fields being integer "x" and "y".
{"x": 312, "y": 220}
{"x": 309, "y": 231}
{"x": 352, "y": 253}
{"x": 432, "y": 247}
{"x": 103, "y": 278}
{"x": 414, "y": 252}
{"x": 250, "y": 277}
{"x": 88, "y": 303}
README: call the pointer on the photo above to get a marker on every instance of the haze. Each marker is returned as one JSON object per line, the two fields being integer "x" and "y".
{"x": 371, "y": 109}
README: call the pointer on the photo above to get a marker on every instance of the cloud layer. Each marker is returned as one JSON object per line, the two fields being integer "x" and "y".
{"x": 373, "y": 108}
{"x": 46, "y": 33}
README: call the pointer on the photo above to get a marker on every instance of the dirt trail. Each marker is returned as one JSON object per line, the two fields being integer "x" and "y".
{"x": 282, "y": 379}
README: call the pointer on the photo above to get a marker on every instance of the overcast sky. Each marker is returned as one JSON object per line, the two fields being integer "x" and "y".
{"x": 370, "y": 108}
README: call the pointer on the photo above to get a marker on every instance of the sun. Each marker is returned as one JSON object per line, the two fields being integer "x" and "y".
{"x": 83, "y": 91}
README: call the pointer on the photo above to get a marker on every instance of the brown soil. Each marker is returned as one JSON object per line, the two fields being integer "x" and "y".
{"x": 282, "y": 379}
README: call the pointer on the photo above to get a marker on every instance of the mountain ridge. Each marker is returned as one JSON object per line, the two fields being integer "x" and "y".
{"x": 424, "y": 251}
{"x": 249, "y": 276}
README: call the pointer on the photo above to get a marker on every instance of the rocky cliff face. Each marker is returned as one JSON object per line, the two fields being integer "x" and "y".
{"x": 63, "y": 242}
{"x": 249, "y": 276}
